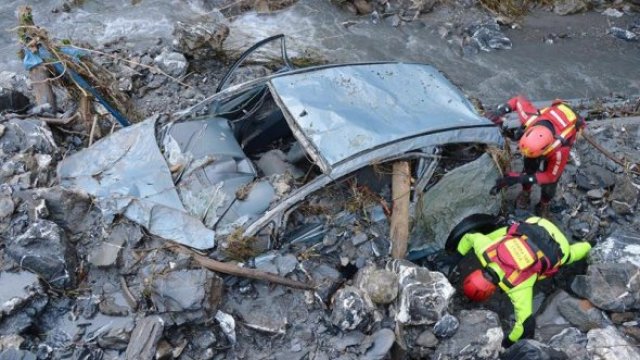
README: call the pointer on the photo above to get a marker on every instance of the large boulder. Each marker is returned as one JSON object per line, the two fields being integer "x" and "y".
{"x": 380, "y": 284}
{"x": 609, "y": 344}
{"x": 612, "y": 281}
{"x": 44, "y": 250}
{"x": 67, "y": 208}
{"x": 352, "y": 309}
{"x": 582, "y": 314}
{"x": 624, "y": 196}
{"x": 532, "y": 350}
{"x": 478, "y": 337}
{"x": 202, "y": 39}
{"x": 438, "y": 211}
{"x": 424, "y": 295}
{"x": 572, "y": 342}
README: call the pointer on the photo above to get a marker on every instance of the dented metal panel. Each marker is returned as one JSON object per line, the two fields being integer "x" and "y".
{"x": 340, "y": 112}
{"x": 127, "y": 174}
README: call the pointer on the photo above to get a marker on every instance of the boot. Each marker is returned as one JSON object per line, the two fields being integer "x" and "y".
{"x": 523, "y": 199}
{"x": 542, "y": 210}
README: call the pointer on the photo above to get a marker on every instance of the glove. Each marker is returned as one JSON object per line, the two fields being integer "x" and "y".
{"x": 510, "y": 179}
{"x": 514, "y": 133}
{"x": 494, "y": 117}
{"x": 503, "y": 109}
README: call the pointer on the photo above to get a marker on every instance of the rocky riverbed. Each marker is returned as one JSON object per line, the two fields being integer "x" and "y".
{"x": 79, "y": 282}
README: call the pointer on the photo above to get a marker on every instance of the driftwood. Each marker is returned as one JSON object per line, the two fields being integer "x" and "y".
{"x": 235, "y": 270}
{"x": 399, "y": 227}
{"x": 39, "y": 75}
{"x": 629, "y": 166}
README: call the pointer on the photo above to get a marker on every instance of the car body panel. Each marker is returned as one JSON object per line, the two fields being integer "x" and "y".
{"x": 341, "y": 112}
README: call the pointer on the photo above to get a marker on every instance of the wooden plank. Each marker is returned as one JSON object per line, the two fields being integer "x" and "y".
{"x": 399, "y": 227}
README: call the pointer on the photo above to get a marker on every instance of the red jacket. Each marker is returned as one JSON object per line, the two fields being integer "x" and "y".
{"x": 564, "y": 122}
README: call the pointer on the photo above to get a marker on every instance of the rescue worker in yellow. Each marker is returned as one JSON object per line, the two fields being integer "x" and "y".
{"x": 513, "y": 257}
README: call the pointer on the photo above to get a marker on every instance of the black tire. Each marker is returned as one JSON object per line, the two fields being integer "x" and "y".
{"x": 482, "y": 223}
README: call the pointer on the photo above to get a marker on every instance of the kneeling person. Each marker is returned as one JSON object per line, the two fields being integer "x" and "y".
{"x": 513, "y": 258}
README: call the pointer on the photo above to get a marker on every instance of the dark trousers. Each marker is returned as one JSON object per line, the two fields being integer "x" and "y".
{"x": 547, "y": 191}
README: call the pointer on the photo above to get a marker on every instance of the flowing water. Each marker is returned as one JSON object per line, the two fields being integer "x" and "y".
{"x": 584, "y": 61}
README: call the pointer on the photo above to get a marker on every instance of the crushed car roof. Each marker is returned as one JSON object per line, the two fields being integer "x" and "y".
{"x": 338, "y": 112}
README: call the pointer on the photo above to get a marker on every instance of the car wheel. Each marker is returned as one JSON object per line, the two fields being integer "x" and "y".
{"x": 482, "y": 223}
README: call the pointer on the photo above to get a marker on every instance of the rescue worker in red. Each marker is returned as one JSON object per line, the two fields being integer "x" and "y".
{"x": 513, "y": 257}
{"x": 545, "y": 140}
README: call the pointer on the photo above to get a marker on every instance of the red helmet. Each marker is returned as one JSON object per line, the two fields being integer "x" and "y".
{"x": 477, "y": 286}
{"x": 535, "y": 140}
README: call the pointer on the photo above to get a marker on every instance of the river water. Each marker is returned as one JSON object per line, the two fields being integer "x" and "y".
{"x": 586, "y": 63}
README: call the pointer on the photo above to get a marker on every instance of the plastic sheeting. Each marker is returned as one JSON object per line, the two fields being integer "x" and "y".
{"x": 127, "y": 174}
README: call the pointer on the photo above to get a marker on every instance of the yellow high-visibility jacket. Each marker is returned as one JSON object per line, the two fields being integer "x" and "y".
{"x": 521, "y": 295}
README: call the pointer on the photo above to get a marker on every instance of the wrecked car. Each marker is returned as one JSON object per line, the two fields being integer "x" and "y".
{"x": 245, "y": 159}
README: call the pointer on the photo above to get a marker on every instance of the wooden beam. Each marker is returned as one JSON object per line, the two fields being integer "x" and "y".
{"x": 399, "y": 227}
{"x": 235, "y": 270}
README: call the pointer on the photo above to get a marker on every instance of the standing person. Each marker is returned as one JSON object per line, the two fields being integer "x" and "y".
{"x": 513, "y": 256}
{"x": 545, "y": 140}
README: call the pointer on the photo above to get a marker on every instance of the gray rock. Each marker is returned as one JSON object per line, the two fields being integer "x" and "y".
{"x": 23, "y": 317}
{"x": 624, "y": 196}
{"x": 106, "y": 252}
{"x": 623, "y": 34}
{"x": 108, "y": 306}
{"x": 381, "y": 342}
{"x": 349, "y": 339}
{"x": 582, "y": 314}
{"x": 438, "y": 212}
{"x": 16, "y": 354}
{"x": 144, "y": 338}
{"x": 424, "y": 295}
{"x": 21, "y": 135}
{"x": 380, "y": 285}
{"x": 187, "y": 295}
{"x": 568, "y": 7}
{"x": 15, "y": 290}
{"x": 352, "y": 309}
{"x": 326, "y": 278}
{"x": 6, "y": 206}
{"x": 427, "y": 339}
{"x": 532, "y": 350}
{"x": 12, "y": 341}
{"x": 201, "y": 40}
{"x": 44, "y": 250}
{"x": 594, "y": 177}
{"x": 572, "y": 342}
{"x": 286, "y": 264}
{"x": 172, "y": 63}
{"x": 67, "y": 208}
{"x": 478, "y": 337}
{"x": 596, "y": 194}
{"x": 612, "y": 281}
{"x": 550, "y": 322}
{"x": 446, "y": 326}
{"x": 609, "y": 344}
